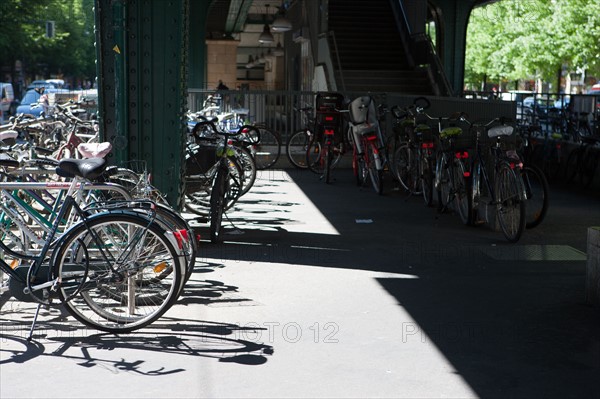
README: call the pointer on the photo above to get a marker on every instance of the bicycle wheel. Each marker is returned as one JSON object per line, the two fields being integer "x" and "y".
{"x": 374, "y": 166}
{"x": 536, "y": 194}
{"x": 118, "y": 272}
{"x": 248, "y": 165}
{"x": 426, "y": 178}
{"x": 217, "y": 205}
{"x": 314, "y": 156}
{"x": 461, "y": 192}
{"x": 443, "y": 182}
{"x": 406, "y": 168}
{"x": 359, "y": 169}
{"x": 296, "y": 148}
{"x": 510, "y": 206}
{"x": 268, "y": 149}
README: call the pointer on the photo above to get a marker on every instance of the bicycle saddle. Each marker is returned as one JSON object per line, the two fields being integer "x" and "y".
{"x": 497, "y": 131}
{"x": 89, "y": 168}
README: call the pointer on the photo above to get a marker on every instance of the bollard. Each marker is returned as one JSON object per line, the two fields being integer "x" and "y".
{"x": 592, "y": 280}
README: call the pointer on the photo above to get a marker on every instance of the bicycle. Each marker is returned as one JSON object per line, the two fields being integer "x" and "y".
{"x": 298, "y": 143}
{"x": 452, "y": 175}
{"x": 496, "y": 178}
{"x": 202, "y": 163}
{"x": 28, "y": 205}
{"x": 113, "y": 270}
{"x": 225, "y": 187}
{"x": 535, "y": 184}
{"x": 368, "y": 156}
{"x": 327, "y": 144}
{"x": 413, "y": 156}
{"x": 265, "y": 147}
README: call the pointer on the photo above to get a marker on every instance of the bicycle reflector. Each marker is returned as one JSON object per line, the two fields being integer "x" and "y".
{"x": 329, "y": 132}
{"x": 427, "y": 144}
{"x": 160, "y": 267}
{"x": 462, "y": 155}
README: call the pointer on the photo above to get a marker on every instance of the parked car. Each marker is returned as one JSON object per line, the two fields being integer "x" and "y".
{"x": 30, "y": 104}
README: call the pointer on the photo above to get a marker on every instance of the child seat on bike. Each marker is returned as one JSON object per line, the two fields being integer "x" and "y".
{"x": 329, "y": 120}
{"x": 363, "y": 120}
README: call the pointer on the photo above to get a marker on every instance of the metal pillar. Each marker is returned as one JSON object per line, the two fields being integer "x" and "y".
{"x": 455, "y": 17}
{"x": 142, "y": 52}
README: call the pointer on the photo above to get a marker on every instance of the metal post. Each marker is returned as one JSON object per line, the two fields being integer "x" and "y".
{"x": 119, "y": 27}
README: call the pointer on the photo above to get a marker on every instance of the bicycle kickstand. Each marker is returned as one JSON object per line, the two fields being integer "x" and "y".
{"x": 37, "y": 312}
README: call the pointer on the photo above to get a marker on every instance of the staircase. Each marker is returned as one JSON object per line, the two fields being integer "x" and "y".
{"x": 371, "y": 54}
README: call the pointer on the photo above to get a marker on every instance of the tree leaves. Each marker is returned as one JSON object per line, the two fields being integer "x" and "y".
{"x": 23, "y": 37}
{"x": 519, "y": 39}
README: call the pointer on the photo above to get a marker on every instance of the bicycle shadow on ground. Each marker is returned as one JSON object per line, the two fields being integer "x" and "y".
{"x": 55, "y": 337}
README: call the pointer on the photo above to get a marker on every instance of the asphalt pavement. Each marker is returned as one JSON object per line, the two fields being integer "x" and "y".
{"x": 332, "y": 291}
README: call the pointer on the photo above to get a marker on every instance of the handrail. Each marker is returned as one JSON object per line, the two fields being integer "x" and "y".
{"x": 433, "y": 59}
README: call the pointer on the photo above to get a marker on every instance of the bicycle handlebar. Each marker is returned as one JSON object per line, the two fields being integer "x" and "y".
{"x": 503, "y": 120}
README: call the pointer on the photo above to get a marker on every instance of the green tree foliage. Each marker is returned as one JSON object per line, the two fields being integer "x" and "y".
{"x": 69, "y": 53}
{"x": 518, "y": 39}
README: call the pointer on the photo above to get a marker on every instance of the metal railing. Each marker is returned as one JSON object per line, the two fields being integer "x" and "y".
{"x": 551, "y": 112}
{"x": 276, "y": 109}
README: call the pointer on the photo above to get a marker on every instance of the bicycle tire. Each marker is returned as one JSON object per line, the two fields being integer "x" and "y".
{"x": 314, "y": 156}
{"x": 510, "y": 206}
{"x": 358, "y": 168}
{"x": 536, "y": 192}
{"x": 443, "y": 182}
{"x": 217, "y": 205}
{"x": 296, "y": 148}
{"x": 249, "y": 168}
{"x": 405, "y": 167}
{"x": 171, "y": 221}
{"x": 427, "y": 180}
{"x": 148, "y": 281}
{"x": 268, "y": 150}
{"x": 375, "y": 166}
{"x": 461, "y": 191}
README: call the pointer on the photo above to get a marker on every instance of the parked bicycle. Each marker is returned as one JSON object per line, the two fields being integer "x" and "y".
{"x": 368, "y": 158}
{"x": 327, "y": 143}
{"x": 113, "y": 270}
{"x": 298, "y": 143}
{"x": 496, "y": 178}
{"x": 452, "y": 175}
{"x": 413, "y": 152}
